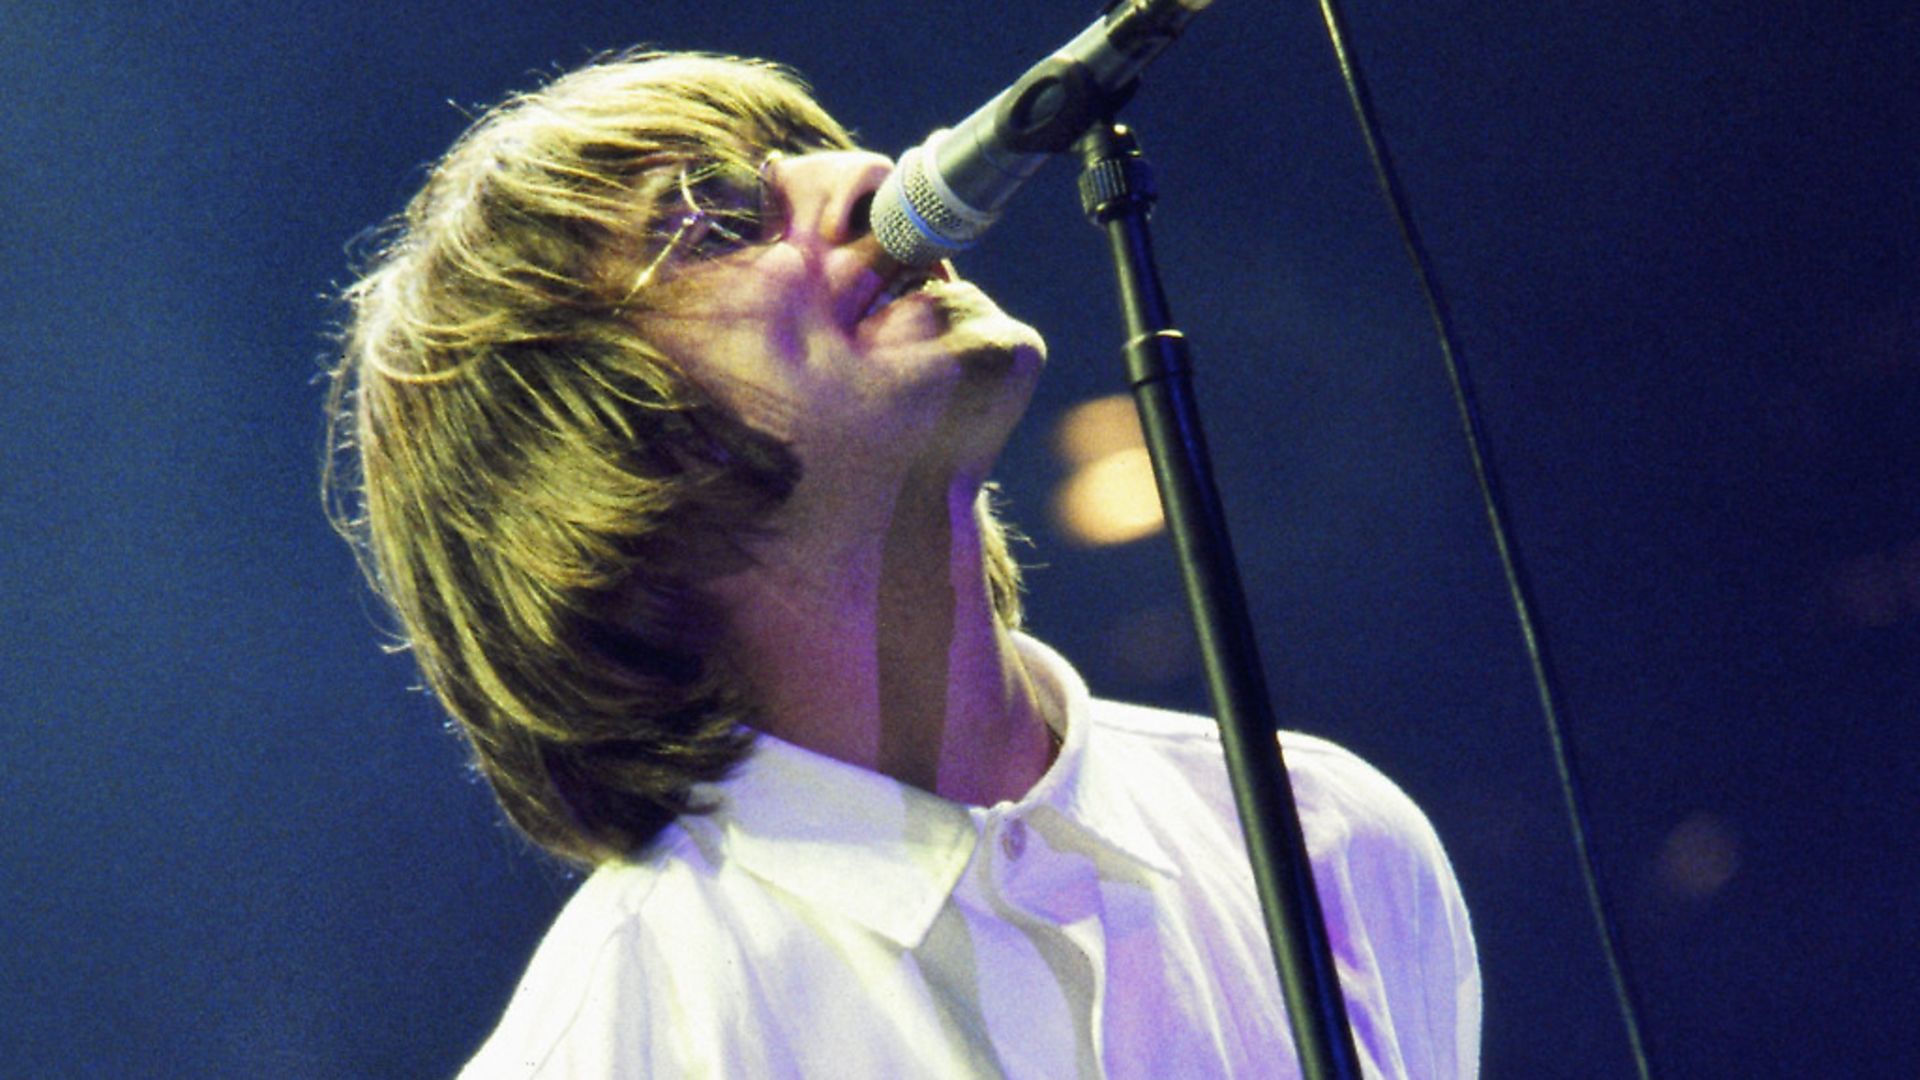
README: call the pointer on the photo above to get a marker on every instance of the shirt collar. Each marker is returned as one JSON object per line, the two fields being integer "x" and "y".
{"x": 1088, "y": 785}
{"x": 843, "y": 838}
{"x": 886, "y": 854}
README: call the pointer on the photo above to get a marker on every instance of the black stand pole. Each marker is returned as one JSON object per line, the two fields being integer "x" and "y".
{"x": 1116, "y": 190}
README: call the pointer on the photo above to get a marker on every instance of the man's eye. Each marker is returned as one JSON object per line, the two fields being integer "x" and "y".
{"x": 721, "y": 209}
{"x": 715, "y": 233}
{"x": 731, "y": 208}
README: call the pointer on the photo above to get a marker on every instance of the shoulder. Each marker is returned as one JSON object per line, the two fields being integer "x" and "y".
{"x": 1339, "y": 782}
{"x": 590, "y": 970}
{"x": 1350, "y": 812}
{"x": 1387, "y": 889}
{"x": 1325, "y": 775}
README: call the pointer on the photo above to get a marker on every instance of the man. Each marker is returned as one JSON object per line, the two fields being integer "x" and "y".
{"x": 677, "y": 486}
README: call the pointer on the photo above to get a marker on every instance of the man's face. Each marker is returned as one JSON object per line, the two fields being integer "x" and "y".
{"x": 798, "y": 332}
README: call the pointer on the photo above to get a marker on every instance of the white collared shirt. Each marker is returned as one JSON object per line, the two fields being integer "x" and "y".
{"x": 827, "y": 921}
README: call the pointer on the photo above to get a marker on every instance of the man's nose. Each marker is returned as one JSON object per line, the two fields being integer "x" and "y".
{"x": 828, "y": 194}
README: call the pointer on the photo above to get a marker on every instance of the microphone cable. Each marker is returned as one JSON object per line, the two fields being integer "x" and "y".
{"x": 1493, "y": 503}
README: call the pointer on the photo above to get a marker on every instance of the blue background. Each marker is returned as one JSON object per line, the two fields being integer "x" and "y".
{"x": 1683, "y": 246}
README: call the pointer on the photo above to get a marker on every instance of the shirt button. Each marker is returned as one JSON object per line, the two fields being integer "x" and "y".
{"x": 1013, "y": 838}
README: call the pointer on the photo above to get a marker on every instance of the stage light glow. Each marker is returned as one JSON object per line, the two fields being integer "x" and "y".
{"x": 1094, "y": 429}
{"x": 1109, "y": 497}
{"x": 1699, "y": 857}
{"x": 1111, "y": 501}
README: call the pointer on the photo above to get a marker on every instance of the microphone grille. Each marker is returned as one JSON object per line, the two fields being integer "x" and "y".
{"x": 924, "y": 197}
{"x": 913, "y": 222}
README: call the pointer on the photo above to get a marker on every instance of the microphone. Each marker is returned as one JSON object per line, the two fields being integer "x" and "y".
{"x": 949, "y": 190}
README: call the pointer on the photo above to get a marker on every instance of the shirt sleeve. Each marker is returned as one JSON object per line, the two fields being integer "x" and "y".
{"x": 590, "y": 1003}
{"x": 1395, "y": 914}
{"x": 563, "y": 1022}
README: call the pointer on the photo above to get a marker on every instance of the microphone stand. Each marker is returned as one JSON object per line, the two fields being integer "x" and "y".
{"x": 1116, "y": 191}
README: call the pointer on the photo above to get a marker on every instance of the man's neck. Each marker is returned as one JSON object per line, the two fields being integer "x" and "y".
{"x": 879, "y": 646}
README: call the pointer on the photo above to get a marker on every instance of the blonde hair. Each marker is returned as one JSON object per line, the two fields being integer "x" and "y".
{"x": 532, "y": 486}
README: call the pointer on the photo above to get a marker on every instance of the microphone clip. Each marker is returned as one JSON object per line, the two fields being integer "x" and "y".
{"x": 1055, "y": 103}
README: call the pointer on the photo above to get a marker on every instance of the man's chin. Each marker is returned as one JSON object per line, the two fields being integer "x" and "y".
{"x": 966, "y": 310}
{"x": 955, "y": 317}
{"x": 987, "y": 335}
{"x": 1004, "y": 358}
